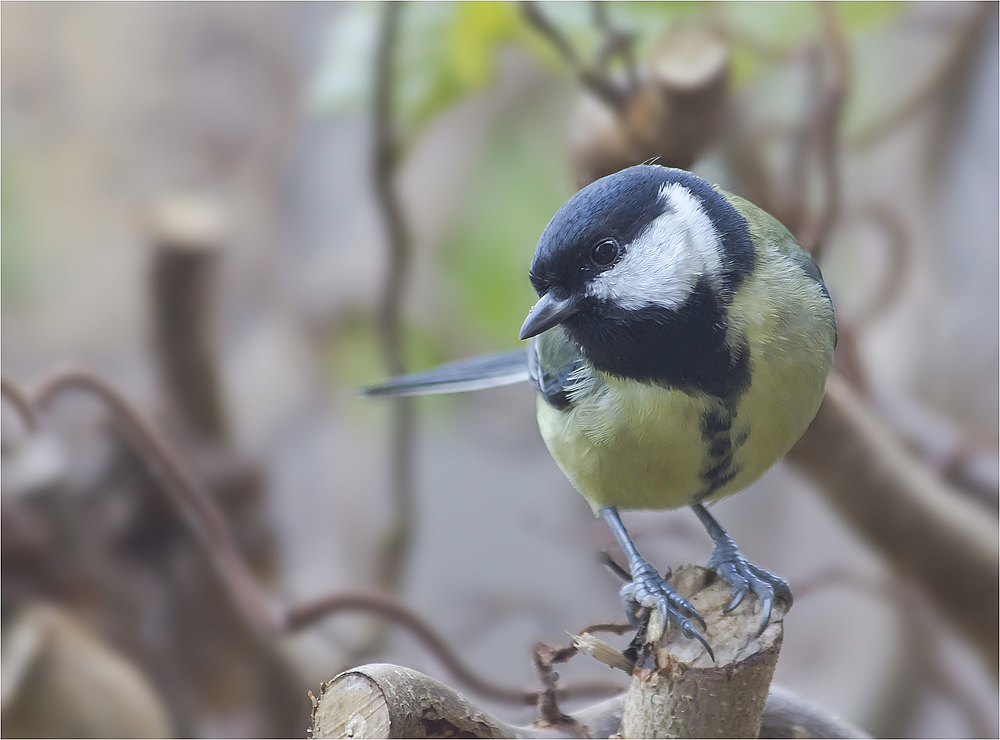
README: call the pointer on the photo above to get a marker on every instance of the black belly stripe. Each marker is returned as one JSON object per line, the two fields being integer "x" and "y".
{"x": 719, "y": 467}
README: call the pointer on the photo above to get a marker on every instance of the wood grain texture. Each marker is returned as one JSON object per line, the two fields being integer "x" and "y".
{"x": 678, "y": 691}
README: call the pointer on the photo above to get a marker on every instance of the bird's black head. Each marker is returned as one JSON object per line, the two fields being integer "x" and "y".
{"x": 639, "y": 267}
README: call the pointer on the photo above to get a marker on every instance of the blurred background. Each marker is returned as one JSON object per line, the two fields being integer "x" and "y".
{"x": 220, "y": 219}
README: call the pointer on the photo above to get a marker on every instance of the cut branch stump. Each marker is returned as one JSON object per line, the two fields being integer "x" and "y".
{"x": 676, "y": 691}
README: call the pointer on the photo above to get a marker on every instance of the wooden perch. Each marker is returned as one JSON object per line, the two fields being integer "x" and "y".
{"x": 679, "y": 691}
{"x": 676, "y": 692}
{"x": 389, "y": 701}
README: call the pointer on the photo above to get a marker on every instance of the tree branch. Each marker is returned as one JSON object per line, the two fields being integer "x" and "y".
{"x": 679, "y": 690}
{"x": 210, "y": 530}
{"x": 388, "y": 701}
{"x": 926, "y": 531}
{"x": 199, "y": 512}
{"x": 20, "y": 401}
{"x": 824, "y": 132}
{"x": 598, "y": 83}
{"x": 614, "y": 41}
{"x": 937, "y": 82}
{"x": 925, "y": 647}
{"x": 389, "y": 314}
{"x": 187, "y": 237}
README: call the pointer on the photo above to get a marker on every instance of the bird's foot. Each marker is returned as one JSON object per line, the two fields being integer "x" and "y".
{"x": 649, "y": 589}
{"x": 745, "y": 577}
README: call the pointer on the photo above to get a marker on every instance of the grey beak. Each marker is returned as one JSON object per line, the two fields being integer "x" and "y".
{"x": 548, "y": 312}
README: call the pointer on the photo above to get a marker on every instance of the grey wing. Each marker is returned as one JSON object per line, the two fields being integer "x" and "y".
{"x": 549, "y": 362}
{"x": 473, "y": 374}
{"x": 553, "y": 358}
{"x": 811, "y": 268}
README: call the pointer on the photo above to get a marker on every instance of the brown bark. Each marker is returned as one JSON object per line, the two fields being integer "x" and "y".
{"x": 388, "y": 701}
{"x": 679, "y": 691}
{"x": 676, "y": 692}
{"x": 187, "y": 236}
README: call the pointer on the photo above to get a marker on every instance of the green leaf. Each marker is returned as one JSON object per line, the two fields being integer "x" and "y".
{"x": 478, "y": 28}
{"x": 775, "y": 24}
{"x": 514, "y": 189}
{"x": 355, "y": 357}
{"x": 858, "y": 17}
{"x": 445, "y": 52}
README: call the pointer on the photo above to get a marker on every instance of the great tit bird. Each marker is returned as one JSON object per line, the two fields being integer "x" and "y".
{"x": 679, "y": 347}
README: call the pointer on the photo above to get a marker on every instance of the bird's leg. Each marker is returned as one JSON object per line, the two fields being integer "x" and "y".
{"x": 742, "y": 575}
{"x": 648, "y": 588}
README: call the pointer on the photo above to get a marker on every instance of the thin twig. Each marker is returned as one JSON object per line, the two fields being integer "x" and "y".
{"x": 305, "y": 614}
{"x": 899, "y": 245}
{"x": 211, "y": 532}
{"x": 936, "y": 83}
{"x": 825, "y": 131}
{"x": 545, "y": 656}
{"x": 614, "y": 42}
{"x": 803, "y": 141}
{"x": 389, "y": 317}
{"x": 599, "y": 84}
{"x": 614, "y": 567}
{"x": 19, "y": 400}
{"x": 195, "y": 505}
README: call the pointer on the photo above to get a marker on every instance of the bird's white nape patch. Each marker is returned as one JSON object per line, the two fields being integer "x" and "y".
{"x": 662, "y": 265}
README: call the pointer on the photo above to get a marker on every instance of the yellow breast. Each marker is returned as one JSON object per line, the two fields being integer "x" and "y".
{"x": 643, "y": 446}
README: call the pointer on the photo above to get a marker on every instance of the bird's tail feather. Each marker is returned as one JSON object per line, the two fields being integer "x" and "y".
{"x": 473, "y": 374}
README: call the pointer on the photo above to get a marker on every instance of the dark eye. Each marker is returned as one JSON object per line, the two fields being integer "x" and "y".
{"x": 605, "y": 253}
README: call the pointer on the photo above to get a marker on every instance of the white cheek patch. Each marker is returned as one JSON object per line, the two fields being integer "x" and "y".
{"x": 663, "y": 264}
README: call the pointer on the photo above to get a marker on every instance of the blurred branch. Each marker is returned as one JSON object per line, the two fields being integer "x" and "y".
{"x": 788, "y": 715}
{"x": 389, "y": 315}
{"x": 899, "y": 244}
{"x": 718, "y": 20}
{"x": 927, "y": 531}
{"x": 19, "y": 400}
{"x": 594, "y": 80}
{"x": 197, "y": 509}
{"x": 187, "y": 235}
{"x": 614, "y": 42}
{"x": 824, "y": 131}
{"x": 925, "y": 644}
{"x": 546, "y": 656}
{"x": 802, "y": 140}
{"x": 207, "y": 524}
{"x": 937, "y": 82}
{"x": 964, "y": 457}
{"x": 303, "y": 615}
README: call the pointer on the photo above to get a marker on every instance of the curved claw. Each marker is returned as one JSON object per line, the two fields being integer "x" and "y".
{"x": 766, "y": 603}
{"x": 745, "y": 577}
{"x": 630, "y": 604}
{"x": 664, "y": 610}
{"x": 687, "y": 609}
{"x": 691, "y": 632}
{"x": 739, "y": 594}
{"x": 649, "y": 589}
{"x": 781, "y": 589}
